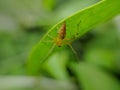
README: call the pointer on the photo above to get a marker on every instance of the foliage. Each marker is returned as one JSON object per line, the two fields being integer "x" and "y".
{"x": 94, "y": 66}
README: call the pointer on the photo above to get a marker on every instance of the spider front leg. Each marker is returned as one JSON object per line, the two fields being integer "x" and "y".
{"x": 78, "y": 25}
{"x": 77, "y": 31}
{"x": 47, "y": 41}
{"x": 51, "y": 37}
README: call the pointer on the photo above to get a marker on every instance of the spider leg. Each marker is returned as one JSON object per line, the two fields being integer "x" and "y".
{"x": 46, "y": 41}
{"x": 74, "y": 52}
{"x": 69, "y": 39}
{"x": 50, "y": 51}
{"x": 72, "y": 49}
{"x": 78, "y": 27}
{"x": 50, "y": 36}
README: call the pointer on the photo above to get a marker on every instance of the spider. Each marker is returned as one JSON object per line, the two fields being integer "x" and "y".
{"x": 61, "y": 37}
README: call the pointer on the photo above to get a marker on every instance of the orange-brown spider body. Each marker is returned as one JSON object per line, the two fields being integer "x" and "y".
{"x": 61, "y": 35}
{"x": 61, "y": 38}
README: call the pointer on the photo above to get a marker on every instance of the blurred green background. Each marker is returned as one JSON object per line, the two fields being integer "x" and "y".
{"x": 24, "y": 22}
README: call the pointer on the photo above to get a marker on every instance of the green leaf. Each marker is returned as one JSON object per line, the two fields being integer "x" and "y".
{"x": 92, "y": 78}
{"x": 88, "y": 18}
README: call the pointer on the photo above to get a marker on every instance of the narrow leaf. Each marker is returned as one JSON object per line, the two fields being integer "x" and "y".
{"x": 86, "y": 18}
